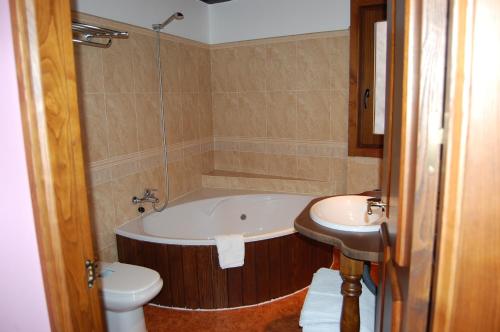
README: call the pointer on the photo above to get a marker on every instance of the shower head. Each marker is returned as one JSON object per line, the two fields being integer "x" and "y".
{"x": 175, "y": 16}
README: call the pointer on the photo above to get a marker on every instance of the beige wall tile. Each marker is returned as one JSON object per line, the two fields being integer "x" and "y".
{"x": 94, "y": 124}
{"x": 282, "y": 165}
{"x": 224, "y": 70}
{"x": 177, "y": 178}
{"x": 313, "y": 168}
{"x": 189, "y": 68}
{"x": 339, "y": 69}
{"x": 90, "y": 76}
{"x": 339, "y": 108}
{"x": 153, "y": 179}
{"x": 102, "y": 214}
{"x": 313, "y": 115}
{"x": 192, "y": 174}
{"x": 144, "y": 63}
{"x": 108, "y": 254}
{"x": 207, "y": 162}
{"x": 171, "y": 66}
{"x": 225, "y": 109}
{"x": 206, "y": 115}
{"x": 251, "y": 162}
{"x": 281, "y": 114}
{"x": 251, "y": 68}
{"x": 173, "y": 119}
{"x": 148, "y": 120}
{"x": 338, "y": 170}
{"x": 123, "y": 191}
{"x": 281, "y": 71}
{"x": 313, "y": 60}
{"x": 117, "y": 62}
{"x": 226, "y": 160}
{"x": 204, "y": 71}
{"x": 252, "y": 114}
{"x": 122, "y": 124}
{"x": 363, "y": 174}
{"x": 190, "y": 117}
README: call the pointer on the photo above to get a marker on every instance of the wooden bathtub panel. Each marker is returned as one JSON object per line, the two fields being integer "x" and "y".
{"x": 205, "y": 288}
{"x": 190, "y": 274}
{"x": 176, "y": 277}
{"x": 249, "y": 277}
{"x": 286, "y": 253}
{"x": 219, "y": 281}
{"x": 262, "y": 270}
{"x": 193, "y": 279}
{"x": 165, "y": 295}
{"x": 235, "y": 287}
{"x": 275, "y": 289}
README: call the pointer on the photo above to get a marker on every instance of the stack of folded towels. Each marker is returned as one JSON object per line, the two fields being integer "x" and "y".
{"x": 323, "y": 304}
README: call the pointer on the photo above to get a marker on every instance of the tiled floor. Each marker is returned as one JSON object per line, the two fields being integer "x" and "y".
{"x": 280, "y": 315}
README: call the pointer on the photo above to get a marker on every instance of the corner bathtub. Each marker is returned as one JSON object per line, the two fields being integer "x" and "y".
{"x": 179, "y": 244}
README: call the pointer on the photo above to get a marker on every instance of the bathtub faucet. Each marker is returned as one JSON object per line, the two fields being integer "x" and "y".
{"x": 147, "y": 197}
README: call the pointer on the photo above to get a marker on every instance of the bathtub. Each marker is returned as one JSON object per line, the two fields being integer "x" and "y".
{"x": 179, "y": 244}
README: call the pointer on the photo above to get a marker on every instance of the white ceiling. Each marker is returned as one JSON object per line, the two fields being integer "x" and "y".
{"x": 235, "y": 20}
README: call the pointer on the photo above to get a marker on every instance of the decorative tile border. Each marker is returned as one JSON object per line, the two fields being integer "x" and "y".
{"x": 120, "y": 166}
{"x": 302, "y": 148}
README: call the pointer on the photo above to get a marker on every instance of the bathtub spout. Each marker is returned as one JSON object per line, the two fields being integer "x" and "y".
{"x": 147, "y": 197}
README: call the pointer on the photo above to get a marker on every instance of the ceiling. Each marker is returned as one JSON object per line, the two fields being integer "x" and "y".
{"x": 211, "y": 2}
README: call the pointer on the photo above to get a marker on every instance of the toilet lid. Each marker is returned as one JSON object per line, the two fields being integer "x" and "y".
{"x": 126, "y": 278}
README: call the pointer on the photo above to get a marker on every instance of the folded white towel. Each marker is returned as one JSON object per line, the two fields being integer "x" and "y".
{"x": 323, "y": 304}
{"x": 325, "y": 327}
{"x": 326, "y": 281}
{"x": 231, "y": 250}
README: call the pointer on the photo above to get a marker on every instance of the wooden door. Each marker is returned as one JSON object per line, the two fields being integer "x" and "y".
{"x": 46, "y": 75}
{"x": 467, "y": 284}
{"x": 412, "y": 151}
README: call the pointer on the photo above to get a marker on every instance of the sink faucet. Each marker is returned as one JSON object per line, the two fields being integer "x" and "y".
{"x": 374, "y": 202}
{"x": 148, "y": 196}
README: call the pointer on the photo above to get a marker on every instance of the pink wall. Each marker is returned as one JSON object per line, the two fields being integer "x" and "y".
{"x": 22, "y": 303}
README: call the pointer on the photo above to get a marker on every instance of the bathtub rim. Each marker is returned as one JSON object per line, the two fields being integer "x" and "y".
{"x": 132, "y": 230}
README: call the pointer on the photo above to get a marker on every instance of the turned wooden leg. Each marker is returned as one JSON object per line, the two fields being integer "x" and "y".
{"x": 350, "y": 271}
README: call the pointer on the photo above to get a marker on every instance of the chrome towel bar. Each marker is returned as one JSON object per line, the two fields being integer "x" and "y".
{"x": 84, "y": 34}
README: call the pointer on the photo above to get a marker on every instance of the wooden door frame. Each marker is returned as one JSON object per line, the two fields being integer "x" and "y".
{"x": 467, "y": 257}
{"x": 51, "y": 125}
{"x": 420, "y": 105}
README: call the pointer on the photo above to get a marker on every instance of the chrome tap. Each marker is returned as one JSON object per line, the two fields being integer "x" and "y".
{"x": 374, "y": 202}
{"x": 147, "y": 197}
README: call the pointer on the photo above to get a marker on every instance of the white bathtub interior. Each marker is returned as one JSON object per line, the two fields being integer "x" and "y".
{"x": 197, "y": 218}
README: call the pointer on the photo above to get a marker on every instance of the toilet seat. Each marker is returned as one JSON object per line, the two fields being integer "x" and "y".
{"x": 126, "y": 286}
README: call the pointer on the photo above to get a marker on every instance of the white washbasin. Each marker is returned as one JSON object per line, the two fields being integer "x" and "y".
{"x": 346, "y": 213}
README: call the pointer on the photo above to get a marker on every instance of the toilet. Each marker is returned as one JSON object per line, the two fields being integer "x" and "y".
{"x": 125, "y": 289}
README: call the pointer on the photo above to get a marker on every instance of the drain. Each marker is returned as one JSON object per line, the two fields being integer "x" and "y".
{"x": 243, "y": 217}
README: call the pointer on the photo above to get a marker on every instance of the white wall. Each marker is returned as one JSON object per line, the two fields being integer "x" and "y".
{"x": 23, "y": 307}
{"x": 144, "y": 13}
{"x": 229, "y": 21}
{"x": 252, "y": 19}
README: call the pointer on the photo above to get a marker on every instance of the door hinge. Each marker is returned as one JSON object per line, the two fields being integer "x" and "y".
{"x": 90, "y": 266}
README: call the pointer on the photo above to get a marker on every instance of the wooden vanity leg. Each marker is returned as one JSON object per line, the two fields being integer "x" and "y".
{"x": 350, "y": 271}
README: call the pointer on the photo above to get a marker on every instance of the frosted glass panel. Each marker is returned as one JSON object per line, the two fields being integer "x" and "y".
{"x": 380, "y": 61}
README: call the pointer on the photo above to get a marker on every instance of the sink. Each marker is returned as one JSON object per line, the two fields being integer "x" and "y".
{"x": 346, "y": 213}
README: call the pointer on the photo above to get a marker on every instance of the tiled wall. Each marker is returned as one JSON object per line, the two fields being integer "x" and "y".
{"x": 280, "y": 108}
{"x": 119, "y": 97}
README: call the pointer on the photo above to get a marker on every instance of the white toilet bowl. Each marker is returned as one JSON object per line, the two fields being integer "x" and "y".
{"x": 125, "y": 289}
